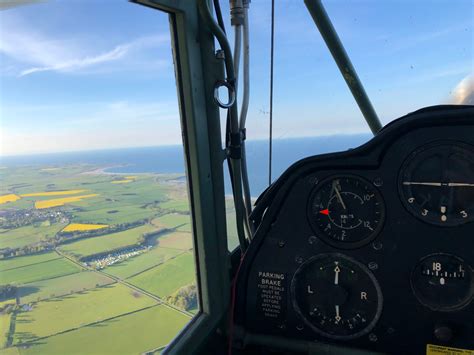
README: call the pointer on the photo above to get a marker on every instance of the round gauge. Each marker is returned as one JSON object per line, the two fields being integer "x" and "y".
{"x": 443, "y": 282}
{"x": 337, "y": 296}
{"x": 437, "y": 184}
{"x": 346, "y": 211}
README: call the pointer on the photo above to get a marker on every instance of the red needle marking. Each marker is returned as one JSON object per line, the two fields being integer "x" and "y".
{"x": 326, "y": 212}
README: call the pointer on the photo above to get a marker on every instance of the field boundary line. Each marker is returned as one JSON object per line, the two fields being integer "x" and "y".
{"x": 50, "y": 278}
{"x": 120, "y": 281}
{"x": 152, "y": 351}
{"x": 153, "y": 266}
{"x": 86, "y": 325}
{"x": 73, "y": 293}
{"x": 40, "y": 262}
{"x": 185, "y": 250}
{"x": 132, "y": 286}
{"x": 11, "y": 330}
{"x": 189, "y": 314}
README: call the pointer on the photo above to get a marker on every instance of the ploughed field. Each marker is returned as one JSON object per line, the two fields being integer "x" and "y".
{"x": 93, "y": 263}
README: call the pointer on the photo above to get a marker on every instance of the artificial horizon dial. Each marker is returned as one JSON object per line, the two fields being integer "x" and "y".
{"x": 346, "y": 211}
{"x": 437, "y": 184}
{"x": 337, "y": 296}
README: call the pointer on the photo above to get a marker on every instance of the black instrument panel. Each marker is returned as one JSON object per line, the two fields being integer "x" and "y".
{"x": 372, "y": 248}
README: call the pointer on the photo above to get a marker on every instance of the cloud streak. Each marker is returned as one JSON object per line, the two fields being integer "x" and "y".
{"x": 75, "y": 64}
{"x": 120, "y": 51}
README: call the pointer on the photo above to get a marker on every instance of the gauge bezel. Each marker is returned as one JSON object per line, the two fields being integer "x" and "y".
{"x": 455, "y": 307}
{"x": 410, "y": 208}
{"x": 364, "y": 269}
{"x": 337, "y": 243}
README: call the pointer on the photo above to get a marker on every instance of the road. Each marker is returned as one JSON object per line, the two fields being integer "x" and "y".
{"x": 123, "y": 282}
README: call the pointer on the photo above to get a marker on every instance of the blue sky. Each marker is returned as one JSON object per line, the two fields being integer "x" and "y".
{"x": 79, "y": 75}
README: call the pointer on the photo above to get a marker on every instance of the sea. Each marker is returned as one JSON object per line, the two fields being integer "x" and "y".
{"x": 170, "y": 159}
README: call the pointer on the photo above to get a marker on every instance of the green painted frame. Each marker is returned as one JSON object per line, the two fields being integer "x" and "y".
{"x": 197, "y": 69}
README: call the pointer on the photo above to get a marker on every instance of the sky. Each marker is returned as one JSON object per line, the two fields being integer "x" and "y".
{"x": 81, "y": 75}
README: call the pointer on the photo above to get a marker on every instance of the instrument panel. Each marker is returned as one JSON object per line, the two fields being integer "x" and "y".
{"x": 369, "y": 249}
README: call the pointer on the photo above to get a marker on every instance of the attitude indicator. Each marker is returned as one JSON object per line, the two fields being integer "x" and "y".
{"x": 437, "y": 184}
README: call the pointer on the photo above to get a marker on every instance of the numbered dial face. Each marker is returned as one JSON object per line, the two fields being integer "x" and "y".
{"x": 337, "y": 296}
{"x": 346, "y": 211}
{"x": 443, "y": 282}
{"x": 437, "y": 184}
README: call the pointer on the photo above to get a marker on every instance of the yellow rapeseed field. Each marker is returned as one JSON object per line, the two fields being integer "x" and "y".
{"x": 53, "y": 193}
{"x": 122, "y": 181}
{"x": 83, "y": 227}
{"x": 9, "y": 198}
{"x": 60, "y": 201}
{"x": 131, "y": 177}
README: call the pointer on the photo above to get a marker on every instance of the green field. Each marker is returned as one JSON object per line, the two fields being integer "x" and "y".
{"x": 166, "y": 278}
{"x": 174, "y": 220}
{"x": 175, "y": 205}
{"x": 176, "y": 240}
{"x": 20, "y": 261}
{"x": 69, "y": 309}
{"x": 73, "y": 311}
{"x": 60, "y": 286}
{"x": 10, "y": 351}
{"x": 106, "y": 242}
{"x": 131, "y": 334}
{"x": 113, "y": 214}
{"x": 144, "y": 261}
{"x": 37, "y": 272}
{"x": 4, "y": 328}
{"x": 19, "y": 237}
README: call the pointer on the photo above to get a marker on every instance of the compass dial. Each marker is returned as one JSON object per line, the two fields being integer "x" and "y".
{"x": 337, "y": 296}
{"x": 443, "y": 282}
{"x": 346, "y": 211}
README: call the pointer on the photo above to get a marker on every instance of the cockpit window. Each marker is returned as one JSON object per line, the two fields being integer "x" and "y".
{"x": 408, "y": 55}
{"x": 96, "y": 240}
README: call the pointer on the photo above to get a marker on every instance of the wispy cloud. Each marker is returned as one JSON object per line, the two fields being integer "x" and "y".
{"x": 71, "y": 65}
{"x": 118, "y": 52}
{"x": 410, "y": 40}
{"x": 39, "y": 53}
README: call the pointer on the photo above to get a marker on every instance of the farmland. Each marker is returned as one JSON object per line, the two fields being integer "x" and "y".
{"x": 61, "y": 286}
{"x": 70, "y": 312}
{"x": 168, "y": 277}
{"x": 61, "y": 201}
{"x": 107, "y": 242}
{"x": 161, "y": 318}
{"x": 55, "y": 223}
{"x": 73, "y": 227}
{"x": 28, "y": 235}
{"x": 36, "y": 272}
{"x": 8, "y": 198}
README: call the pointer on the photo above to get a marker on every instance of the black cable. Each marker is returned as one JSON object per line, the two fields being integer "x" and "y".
{"x": 220, "y": 21}
{"x": 272, "y": 49}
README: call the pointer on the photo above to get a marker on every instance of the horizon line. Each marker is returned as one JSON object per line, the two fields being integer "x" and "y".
{"x": 168, "y": 145}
